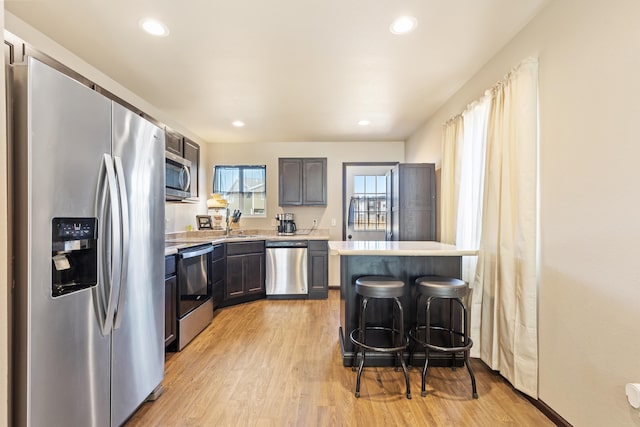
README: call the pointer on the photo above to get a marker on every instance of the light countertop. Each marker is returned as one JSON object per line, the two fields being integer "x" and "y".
{"x": 396, "y": 248}
{"x": 181, "y": 240}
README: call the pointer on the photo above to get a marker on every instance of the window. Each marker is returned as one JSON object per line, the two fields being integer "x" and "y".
{"x": 244, "y": 188}
{"x": 369, "y": 202}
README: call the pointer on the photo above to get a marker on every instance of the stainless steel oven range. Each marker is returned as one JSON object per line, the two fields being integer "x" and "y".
{"x": 195, "y": 305}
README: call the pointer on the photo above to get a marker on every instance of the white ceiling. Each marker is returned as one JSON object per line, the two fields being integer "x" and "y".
{"x": 293, "y": 70}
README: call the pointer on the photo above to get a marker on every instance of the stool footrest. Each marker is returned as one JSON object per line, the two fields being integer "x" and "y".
{"x": 468, "y": 343}
{"x": 395, "y": 349}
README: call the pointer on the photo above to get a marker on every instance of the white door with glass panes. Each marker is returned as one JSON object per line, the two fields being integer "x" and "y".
{"x": 365, "y": 215}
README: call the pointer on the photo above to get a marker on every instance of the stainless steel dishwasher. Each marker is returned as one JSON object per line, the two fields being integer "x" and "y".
{"x": 286, "y": 268}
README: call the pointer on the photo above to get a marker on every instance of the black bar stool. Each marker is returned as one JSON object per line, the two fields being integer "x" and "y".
{"x": 430, "y": 288}
{"x": 380, "y": 287}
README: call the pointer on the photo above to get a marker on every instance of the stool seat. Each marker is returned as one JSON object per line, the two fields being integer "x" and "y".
{"x": 379, "y": 287}
{"x": 442, "y": 287}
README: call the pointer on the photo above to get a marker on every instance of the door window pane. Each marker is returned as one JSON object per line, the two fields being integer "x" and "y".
{"x": 369, "y": 202}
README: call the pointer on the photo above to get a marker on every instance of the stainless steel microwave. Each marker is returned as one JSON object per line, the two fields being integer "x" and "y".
{"x": 177, "y": 177}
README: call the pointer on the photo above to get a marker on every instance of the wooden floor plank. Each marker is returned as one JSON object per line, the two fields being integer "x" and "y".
{"x": 274, "y": 363}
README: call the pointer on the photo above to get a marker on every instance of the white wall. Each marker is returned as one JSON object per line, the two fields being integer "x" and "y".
{"x": 589, "y": 300}
{"x": 4, "y": 252}
{"x": 267, "y": 153}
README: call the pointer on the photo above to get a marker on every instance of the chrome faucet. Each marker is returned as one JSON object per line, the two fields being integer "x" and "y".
{"x": 227, "y": 221}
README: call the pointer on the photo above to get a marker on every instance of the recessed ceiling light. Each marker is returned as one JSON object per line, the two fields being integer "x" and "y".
{"x": 154, "y": 27}
{"x": 403, "y": 25}
{"x": 238, "y": 123}
{"x": 364, "y": 122}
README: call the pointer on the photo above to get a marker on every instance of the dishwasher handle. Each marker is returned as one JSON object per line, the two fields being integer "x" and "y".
{"x": 195, "y": 252}
{"x": 285, "y": 244}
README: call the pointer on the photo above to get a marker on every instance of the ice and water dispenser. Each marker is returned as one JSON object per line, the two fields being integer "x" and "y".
{"x": 74, "y": 255}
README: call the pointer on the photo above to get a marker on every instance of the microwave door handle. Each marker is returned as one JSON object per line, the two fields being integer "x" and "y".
{"x": 124, "y": 224}
{"x": 187, "y": 173}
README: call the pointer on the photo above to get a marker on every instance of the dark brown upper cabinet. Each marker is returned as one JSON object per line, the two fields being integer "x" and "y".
{"x": 302, "y": 181}
{"x": 191, "y": 152}
{"x": 173, "y": 142}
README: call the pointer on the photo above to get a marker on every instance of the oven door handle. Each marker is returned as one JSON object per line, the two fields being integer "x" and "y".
{"x": 195, "y": 253}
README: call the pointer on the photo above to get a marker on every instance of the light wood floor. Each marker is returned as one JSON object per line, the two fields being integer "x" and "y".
{"x": 277, "y": 363}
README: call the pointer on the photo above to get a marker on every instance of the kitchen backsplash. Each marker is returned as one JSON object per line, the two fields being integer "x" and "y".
{"x": 179, "y": 216}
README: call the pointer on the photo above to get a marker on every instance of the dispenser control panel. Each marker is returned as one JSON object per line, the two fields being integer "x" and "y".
{"x": 74, "y": 229}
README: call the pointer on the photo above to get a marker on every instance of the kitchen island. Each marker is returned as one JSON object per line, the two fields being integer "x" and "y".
{"x": 405, "y": 260}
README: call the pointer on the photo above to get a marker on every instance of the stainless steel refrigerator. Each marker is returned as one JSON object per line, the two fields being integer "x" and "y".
{"x": 89, "y": 253}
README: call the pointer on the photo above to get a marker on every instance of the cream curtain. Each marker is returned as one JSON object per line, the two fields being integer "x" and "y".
{"x": 505, "y": 287}
{"x": 471, "y": 178}
{"x": 488, "y": 202}
{"x": 452, "y": 140}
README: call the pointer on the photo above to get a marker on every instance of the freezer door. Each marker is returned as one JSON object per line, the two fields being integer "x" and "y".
{"x": 138, "y": 337}
{"x": 61, "y": 370}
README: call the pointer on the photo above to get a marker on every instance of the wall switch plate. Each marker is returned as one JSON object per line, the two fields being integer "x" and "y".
{"x": 333, "y": 222}
{"x": 633, "y": 394}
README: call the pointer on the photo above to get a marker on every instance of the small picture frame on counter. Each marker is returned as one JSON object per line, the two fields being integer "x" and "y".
{"x": 204, "y": 222}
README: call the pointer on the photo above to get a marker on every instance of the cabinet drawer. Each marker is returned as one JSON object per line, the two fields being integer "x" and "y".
{"x": 169, "y": 265}
{"x": 317, "y": 245}
{"x": 218, "y": 252}
{"x": 241, "y": 248}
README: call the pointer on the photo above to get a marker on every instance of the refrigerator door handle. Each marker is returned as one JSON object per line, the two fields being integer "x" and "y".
{"x": 124, "y": 223}
{"x": 116, "y": 244}
{"x": 104, "y": 270}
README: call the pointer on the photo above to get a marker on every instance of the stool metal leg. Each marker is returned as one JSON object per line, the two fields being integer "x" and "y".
{"x": 466, "y": 353}
{"x": 412, "y": 350}
{"x": 400, "y": 355}
{"x": 427, "y": 340}
{"x": 362, "y": 336}
{"x": 394, "y": 337}
{"x": 356, "y": 348}
{"x": 451, "y": 335}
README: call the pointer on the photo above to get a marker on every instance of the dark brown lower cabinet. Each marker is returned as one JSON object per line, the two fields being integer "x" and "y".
{"x": 318, "y": 257}
{"x": 170, "y": 299}
{"x": 245, "y": 272}
{"x": 218, "y": 274}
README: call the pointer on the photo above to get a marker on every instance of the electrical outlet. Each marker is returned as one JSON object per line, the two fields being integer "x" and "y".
{"x": 315, "y": 222}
